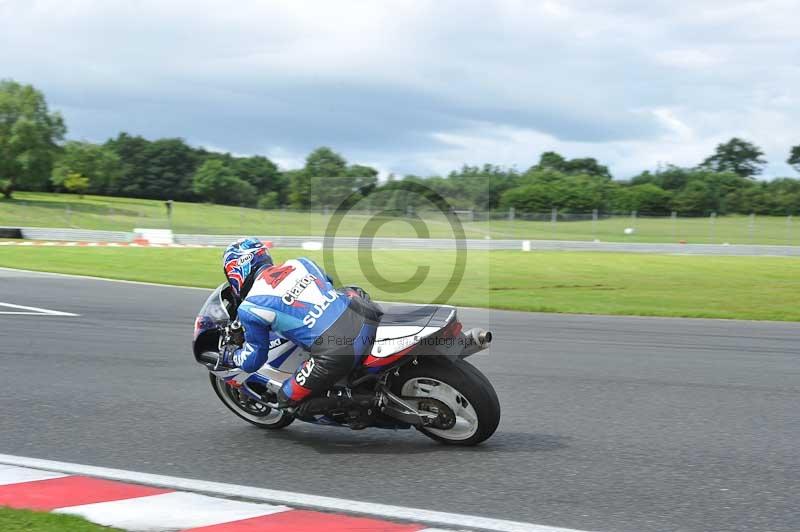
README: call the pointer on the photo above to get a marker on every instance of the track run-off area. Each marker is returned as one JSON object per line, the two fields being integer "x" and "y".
{"x": 609, "y": 423}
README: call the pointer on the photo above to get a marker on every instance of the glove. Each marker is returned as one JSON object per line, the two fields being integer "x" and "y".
{"x": 226, "y": 357}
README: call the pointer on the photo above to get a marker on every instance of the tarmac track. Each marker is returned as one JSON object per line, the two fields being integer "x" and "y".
{"x": 609, "y": 423}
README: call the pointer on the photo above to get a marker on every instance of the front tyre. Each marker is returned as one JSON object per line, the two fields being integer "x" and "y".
{"x": 464, "y": 389}
{"x": 246, "y": 408}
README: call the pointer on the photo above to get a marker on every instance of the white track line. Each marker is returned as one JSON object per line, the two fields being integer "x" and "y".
{"x": 303, "y": 500}
{"x": 33, "y": 311}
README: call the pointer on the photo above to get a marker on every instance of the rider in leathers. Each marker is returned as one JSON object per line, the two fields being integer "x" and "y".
{"x": 297, "y": 301}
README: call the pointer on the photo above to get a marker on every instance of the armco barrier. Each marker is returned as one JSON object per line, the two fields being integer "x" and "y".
{"x": 80, "y": 235}
{"x": 85, "y": 235}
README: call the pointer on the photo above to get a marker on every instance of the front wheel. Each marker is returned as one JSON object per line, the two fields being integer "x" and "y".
{"x": 464, "y": 389}
{"x": 246, "y": 408}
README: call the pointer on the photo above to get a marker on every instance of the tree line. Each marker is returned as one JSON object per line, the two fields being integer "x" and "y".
{"x": 35, "y": 156}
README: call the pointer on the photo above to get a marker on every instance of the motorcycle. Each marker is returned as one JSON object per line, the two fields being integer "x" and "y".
{"x": 416, "y": 375}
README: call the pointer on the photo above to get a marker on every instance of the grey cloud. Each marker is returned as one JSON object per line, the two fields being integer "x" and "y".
{"x": 383, "y": 81}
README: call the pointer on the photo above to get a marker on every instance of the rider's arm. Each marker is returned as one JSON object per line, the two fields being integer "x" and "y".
{"x": 315, "y": 269}
{"x": 253, "y": 353}
{"x": 349, "y": 290}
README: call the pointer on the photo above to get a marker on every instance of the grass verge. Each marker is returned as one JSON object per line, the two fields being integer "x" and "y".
{"x": 27, "y": 521}
{"x": 758, "y": 288}
{"x": 41, "y": 209}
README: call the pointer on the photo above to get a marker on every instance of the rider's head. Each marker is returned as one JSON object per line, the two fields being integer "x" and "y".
{"x": 242, "y": 260}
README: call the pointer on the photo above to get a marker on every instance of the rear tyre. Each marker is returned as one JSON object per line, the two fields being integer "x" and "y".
{"x": 251, "y": 411}
{"x": 464, "y": 389}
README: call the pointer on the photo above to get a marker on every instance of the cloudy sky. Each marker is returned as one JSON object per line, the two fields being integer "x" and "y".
{"x": 421, "y": 86}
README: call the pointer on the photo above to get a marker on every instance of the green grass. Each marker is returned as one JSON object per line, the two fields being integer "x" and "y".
{"x": 28, "y": 521}
{"x": 759, "y": 288}
{"x": 124, "y": 214}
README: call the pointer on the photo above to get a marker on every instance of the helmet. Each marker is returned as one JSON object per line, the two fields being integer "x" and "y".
{"x": 242, "y": 260}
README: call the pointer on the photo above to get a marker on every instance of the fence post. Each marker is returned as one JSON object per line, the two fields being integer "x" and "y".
{"x": 712, "y": 227}
{"x": 751, "y": 226}
{"x": 68, "y": 214}
{"x": 674, "y": 218}
{"x": 168, "y": 206}
{"x": 553, "y": 221}
{"x": 789, "y": 230}
{"x": 594, "y": 224}
{"x": 511, "y": 214}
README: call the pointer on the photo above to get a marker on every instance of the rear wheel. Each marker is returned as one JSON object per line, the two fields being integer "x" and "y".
{"x": 465, "y": 391}
{"x": 248, "y": 409}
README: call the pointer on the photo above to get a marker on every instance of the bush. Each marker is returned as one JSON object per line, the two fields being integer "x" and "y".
{"x": 268, "y": 201}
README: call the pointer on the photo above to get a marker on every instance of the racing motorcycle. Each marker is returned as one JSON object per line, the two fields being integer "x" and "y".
{"x": 414, "y": 376}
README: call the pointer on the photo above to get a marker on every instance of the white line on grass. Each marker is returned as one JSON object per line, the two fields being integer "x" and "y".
{"x": 285, "y": 497}
{"x": 75, "y": 276}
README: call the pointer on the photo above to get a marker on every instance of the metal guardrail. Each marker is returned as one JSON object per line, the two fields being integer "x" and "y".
{"x": 86, "y": 235}
{"x": 80, "y": 235}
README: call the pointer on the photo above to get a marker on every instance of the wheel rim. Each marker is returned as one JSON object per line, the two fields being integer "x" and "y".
{"x": 246, "y": 407}
{"x": 466, "y": 418}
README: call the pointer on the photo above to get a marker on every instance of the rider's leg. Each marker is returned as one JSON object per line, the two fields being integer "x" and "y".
{"x": 333, "y": 356}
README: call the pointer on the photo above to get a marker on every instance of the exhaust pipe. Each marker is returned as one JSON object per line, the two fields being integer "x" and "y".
{"x": 477, "y": 340}
{"x": 481, "y": 337}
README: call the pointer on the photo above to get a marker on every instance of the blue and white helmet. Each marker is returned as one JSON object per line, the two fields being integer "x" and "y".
{"x": 242, "y": 259}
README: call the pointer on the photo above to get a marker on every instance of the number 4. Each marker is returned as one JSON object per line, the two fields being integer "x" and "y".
{"x": 276, "y": 274}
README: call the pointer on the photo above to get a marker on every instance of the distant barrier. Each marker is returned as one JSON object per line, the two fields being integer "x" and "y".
{"x": 80, "y": 235}
{"x": 439, "y": 244}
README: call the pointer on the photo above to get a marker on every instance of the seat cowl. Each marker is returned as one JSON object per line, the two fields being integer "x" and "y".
{"x": 399, "y": 321}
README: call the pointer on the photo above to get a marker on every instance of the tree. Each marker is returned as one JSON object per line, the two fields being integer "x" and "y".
{"x": 646, "y": 198}
{"x": 738, "y": 156}
{"x": 585, "y": 165}
{"x": 476, "y": 187}
{"x": 99, "y": 164}
{"x": 552, "y": 160}
{"x": 364, "y": 177}
{"x": 696, "y": 198}
{"x": 217, "y": 183}
{"x": 160, "y": 169}
{"x": 794, "y": 157}
{"x": 668, "y": 178}
{"x": 299, "y": 188}
{"x": 260, "y": 172}
{"x": 329, "y": 181}
{"x": 326, "y": 180}
{"x": 29, "y": 137}
{"x": 76, "y": 183}
{"x": 542, "y": 189}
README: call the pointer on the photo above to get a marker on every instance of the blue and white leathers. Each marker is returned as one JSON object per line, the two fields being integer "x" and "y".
{"x": 294, "y": 300}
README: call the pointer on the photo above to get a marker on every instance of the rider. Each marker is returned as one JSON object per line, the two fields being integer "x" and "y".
{"x": 297, "y": 301}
